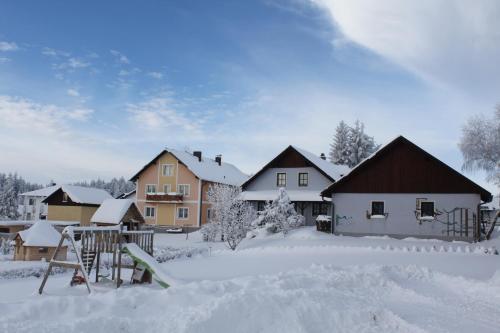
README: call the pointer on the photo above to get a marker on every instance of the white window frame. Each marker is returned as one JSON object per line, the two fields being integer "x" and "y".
{"x": 182, "y": 208}
{"x": 427, "y": 217}
{"x": 169, "y": 188}
{"x": 163, "y": 170}
{"x": 371, "y": 207}
{"x": 153, "y": 209}
{"x": 146, "y": 189}
{"x": 188, "y": 190}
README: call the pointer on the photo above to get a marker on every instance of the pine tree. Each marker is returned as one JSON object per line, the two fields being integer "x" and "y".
{"x": 340, "y": 150}
{"x": 279, "y": 215}
{"x": 360, "y": 144}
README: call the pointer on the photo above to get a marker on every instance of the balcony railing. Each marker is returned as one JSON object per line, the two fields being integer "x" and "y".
{"x": 174, "y": 198}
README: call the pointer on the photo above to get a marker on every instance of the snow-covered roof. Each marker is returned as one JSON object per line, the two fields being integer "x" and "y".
{"x": 333, "y": 170}
{"x": 126, "y": 195}
{"x": 31, "y": 222}
{"x": 85, "y": 195}
{"x": 41, "y": 233}
{"x": 43, "y": 192}
{"x": 112, "y": 211}
{"x": 294, "y": 195}
{"x": 206, "y": 169}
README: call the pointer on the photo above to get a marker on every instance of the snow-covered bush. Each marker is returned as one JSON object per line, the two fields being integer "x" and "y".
{"x": 279, "y": 215}
{"x": 210, "y": 231}
{"x": 5, "y": 246}
{"x": 231, "y": 217}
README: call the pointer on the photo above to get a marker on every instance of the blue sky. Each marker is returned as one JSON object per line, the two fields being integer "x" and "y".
{"x": 96, "y": 88}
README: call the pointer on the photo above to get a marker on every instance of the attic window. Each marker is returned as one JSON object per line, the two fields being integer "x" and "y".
{"x": 303, "y": 179}
{"x": 167, "y": 170}
{"x": 427, "y": 209}
{"x": 65, "y": 197}
{"x": 281, "y": 179}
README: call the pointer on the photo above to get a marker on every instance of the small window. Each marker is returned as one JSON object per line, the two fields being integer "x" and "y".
{"x": 303, "y": 178}
{"x": 281, "y": 179}
{"x": 183, "y": 189}
{"x": 31, "y": 202}
{"x": 261, "y": 206}
{"x": 149, "y": 211}
{"x": 378, "y": 208}
{"x": 150, "y": 189}
{"x": 65, "y": 197}
{"x": 167, "y": 170}
{"x": 167, "y": 188}
{"x": 43, "y": 250}
{"x": 427, "y": 209}
{"x": 182, "y": 213}
{"x": 320, "y": 209}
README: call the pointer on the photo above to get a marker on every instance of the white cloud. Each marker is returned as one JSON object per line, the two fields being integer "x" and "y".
{"x": 77, "y": 63}
{"x": 120, "y": 57}
{"x": 52, "y": 139}
{"x": 158, "y": 114}
{"x": 73, "y": 92}
{"x": 155, "y": 75}
{"x": 449, "y": 43}
{"x": 8, "y": 46}
{"x": 19, "y": 113}
{"x": 4, "y": 60}
{"x": 50, "y": 52}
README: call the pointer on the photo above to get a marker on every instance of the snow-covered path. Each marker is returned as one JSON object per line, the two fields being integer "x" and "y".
{"x": 306, "y": 282}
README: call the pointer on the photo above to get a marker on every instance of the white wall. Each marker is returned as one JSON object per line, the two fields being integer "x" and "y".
{"x": 267, "y": 180}
{"x": 36, "y": 210}
{"x": 350, "y": 214}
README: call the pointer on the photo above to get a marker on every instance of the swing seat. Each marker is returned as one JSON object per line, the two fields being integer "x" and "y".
{"x": 77, "y": 280}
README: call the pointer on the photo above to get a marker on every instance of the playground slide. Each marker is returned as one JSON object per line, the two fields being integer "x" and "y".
{"x": 136, "y": 253}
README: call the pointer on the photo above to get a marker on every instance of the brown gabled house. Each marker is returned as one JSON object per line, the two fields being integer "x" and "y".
{"x": 403, "y": 191}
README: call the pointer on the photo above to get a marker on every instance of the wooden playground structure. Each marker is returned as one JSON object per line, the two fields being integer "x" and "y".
{"x": 94, "y": 241}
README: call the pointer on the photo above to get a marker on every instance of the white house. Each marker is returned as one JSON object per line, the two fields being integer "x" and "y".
{"x": 302, "y": 174}
{"x": 31, "y": 206}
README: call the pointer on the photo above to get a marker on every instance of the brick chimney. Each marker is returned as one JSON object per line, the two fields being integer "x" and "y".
{"x": 322, "y": 156}
{"x": 218, "y": 159}
{"x": 197, "y": 154}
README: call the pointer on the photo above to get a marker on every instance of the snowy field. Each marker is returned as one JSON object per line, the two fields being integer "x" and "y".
{"x": 305, "y": 282}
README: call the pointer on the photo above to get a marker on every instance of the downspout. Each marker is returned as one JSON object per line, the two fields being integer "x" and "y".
{"x": 332, "y": 224}
{"x": 200, "y": 201}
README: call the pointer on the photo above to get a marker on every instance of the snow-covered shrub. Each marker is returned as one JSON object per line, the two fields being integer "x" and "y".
{"x": 279, "y": 215}
{"x": 231, "y": 217}
{"x": 210, "y": 232}
{"x": 5, "y": 246}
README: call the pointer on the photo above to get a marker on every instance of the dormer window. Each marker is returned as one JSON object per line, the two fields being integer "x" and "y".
{"x": 281, "y": 179}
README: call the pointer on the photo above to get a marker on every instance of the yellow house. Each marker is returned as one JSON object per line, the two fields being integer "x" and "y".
{"x": 171, "y": 190}
{"x": 75, "y": 203}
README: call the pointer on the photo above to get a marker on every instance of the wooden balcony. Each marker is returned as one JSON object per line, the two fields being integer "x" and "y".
{"x": 170, "y": 198}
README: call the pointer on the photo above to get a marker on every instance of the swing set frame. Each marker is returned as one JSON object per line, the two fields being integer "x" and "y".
{"x": 93, "y": 242}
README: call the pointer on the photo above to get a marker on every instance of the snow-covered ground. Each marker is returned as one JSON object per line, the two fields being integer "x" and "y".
{"x": 304, "y": 282}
